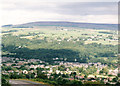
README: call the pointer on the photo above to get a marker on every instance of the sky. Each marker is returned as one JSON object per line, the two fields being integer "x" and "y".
{"x": 89, "y": 11}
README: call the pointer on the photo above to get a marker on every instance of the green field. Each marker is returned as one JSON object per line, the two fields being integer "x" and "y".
{"x": 62, "y": 42}
{"x": 92, "y": 36}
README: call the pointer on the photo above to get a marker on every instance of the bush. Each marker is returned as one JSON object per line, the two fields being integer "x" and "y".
{"x": 5, "y": 82}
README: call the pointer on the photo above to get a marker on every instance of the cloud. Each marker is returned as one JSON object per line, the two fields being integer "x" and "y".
{"x": 19, "y": 17}
{"x": 89, "y": 8}
{"x": 70, "y": 8}
{"x": 23, "y": 11}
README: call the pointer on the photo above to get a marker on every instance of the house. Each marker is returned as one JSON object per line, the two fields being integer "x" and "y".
{"x": 17, "y": 71}
{"x": 20, "y": 63}
{"x": 57, "y": 71}
{"x": 17, "y": 66}
{"x": 5, "y": 73}
{"x": 10, "y": 71}
{"x": 47, "y": 67}
{"x": 50, "y": 71}
{"x": 110, "y": 79}
{"x": 43, "y": 71}
{"x": 80, "y": 77}
{"x": 48, "y": 75}
{"x": 113, "y": 72}
{"x": 41, "y": 66}
{"x": 105, "y": 81}
{"x": 9, "y": 64}
{"x": 90, "y": 77}
{"x": 71, "y": 79}
{"x": 32, "y": 71}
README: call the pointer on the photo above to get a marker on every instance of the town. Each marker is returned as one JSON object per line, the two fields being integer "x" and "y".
{"x": 17, "y": 68}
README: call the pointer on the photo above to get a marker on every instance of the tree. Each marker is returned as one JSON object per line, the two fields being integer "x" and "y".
{"x": 115, "y": 79}
{"x": 5, "y": 82}
{"x": 14, "y": 76}
{"x": 73, "y": 74}
{"x": 41, "y": 75}
{"x": 61, "y": 68}
{"x": 74, "y": 83}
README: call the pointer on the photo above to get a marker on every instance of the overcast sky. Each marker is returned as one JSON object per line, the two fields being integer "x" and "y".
{"x": 23, "y": 11}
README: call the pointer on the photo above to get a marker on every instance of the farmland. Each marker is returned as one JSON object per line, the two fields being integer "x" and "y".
{"x": 81, "y": 44}
{"x": 89, "y": 35}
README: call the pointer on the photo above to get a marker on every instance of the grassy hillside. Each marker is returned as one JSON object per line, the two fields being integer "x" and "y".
{"x": 66, "y": 43}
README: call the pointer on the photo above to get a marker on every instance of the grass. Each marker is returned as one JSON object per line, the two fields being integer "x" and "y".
{"x": 73, "y": 32}
{"x": 103, "y": 42}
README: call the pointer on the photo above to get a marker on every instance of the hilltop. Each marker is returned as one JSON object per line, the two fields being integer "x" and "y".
{"x": 65, "y": 24}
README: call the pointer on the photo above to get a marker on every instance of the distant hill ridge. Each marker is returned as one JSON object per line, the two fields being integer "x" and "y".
{"x": 65, "y": 24}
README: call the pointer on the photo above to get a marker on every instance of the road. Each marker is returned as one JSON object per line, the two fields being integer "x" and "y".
{"x": 24, "y": 83}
